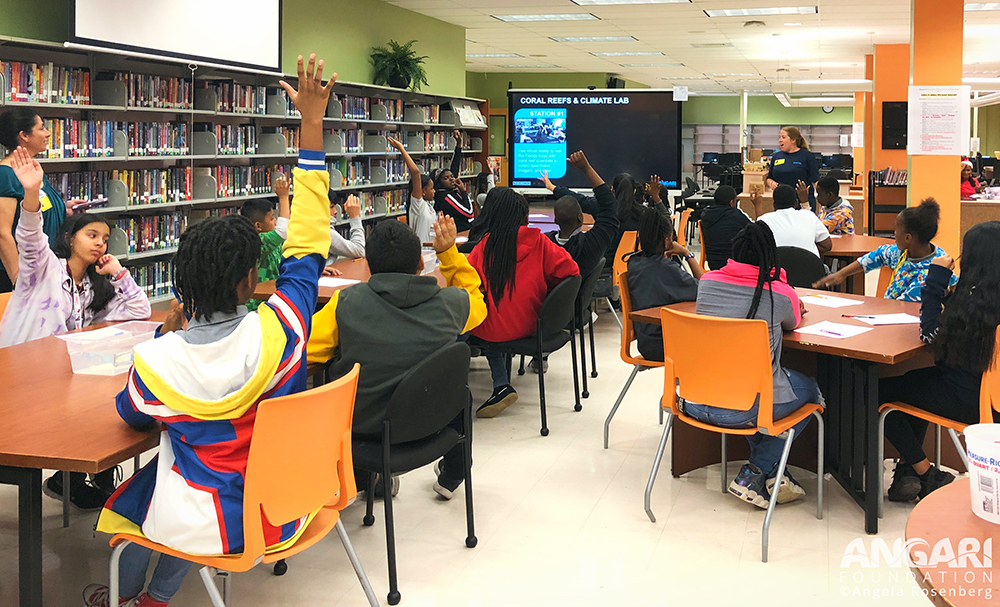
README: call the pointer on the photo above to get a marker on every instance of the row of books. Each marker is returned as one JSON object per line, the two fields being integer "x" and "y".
{"x": 358, "y": 108}
{"x": 45, "y": 83}
{"x": 158, "y": 139}
{"x": 91, "y": 186}
{"x": 394, "y": 169}
{"x": 154, "y": 278}
{"x": 432, "y": 113}
{"x": 152, "y": 232}
{"x": 72, "y": 138}
{"x": 436, "y": 141}
{"x": 291, "y": 134}
{"x": 429, "y": 164}
{"x": 239, "y": 98}
{"x": 356, "y": 172}
{"x": 236, "y": 138}
{"x": 152, "y": 186}
{"x": 149, "y": 91}
{"x": 395, "y": 200}
{"x": 245, "y": 180}
{"x": 890, "y": 176}
{"x": 350, "y": 139}
{"x": 393, "y": 108}
{"x": 289, "y": 106}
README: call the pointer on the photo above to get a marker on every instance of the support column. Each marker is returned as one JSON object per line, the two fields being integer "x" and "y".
{"x": 743, "y": 124}
{"x": 890, "y": 69}
{"x": 936, "y": 30}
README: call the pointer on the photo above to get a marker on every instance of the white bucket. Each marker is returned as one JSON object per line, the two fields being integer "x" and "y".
{"x": 982, "y": 443}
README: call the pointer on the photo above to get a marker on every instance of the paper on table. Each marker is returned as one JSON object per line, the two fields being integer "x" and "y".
{"x": 334, "y": 281}
{"x": 461, "y": 239}
{"x": 833, "y": 329}
{"x": 829, "y": 301}
{"x": 889, "y": 319}
{"x": 538, "y": 216}
{"x": 834, "y": 235}
{"x": 96, "y": 334}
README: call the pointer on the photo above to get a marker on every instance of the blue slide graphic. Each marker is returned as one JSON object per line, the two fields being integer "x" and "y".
{"x": 539, "y": 142}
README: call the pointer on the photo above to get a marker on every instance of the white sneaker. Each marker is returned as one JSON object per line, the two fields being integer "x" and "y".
{"x": 789, "y": 490}
{"x": 440, "y": 489}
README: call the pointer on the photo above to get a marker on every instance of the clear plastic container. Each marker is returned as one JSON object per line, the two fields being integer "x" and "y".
{"x": 430, "y": 260}
{"x": 107, "y": 351}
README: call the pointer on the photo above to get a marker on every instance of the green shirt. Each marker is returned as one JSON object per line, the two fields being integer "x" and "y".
{"x": 270, "y": 261}
{"x": 53, "y": 207}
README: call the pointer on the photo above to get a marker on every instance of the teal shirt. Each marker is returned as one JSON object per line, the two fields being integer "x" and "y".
{"x": 53, "y": 207}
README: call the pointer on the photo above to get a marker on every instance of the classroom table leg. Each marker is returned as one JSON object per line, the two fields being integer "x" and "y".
{"x": 29, "y": 519}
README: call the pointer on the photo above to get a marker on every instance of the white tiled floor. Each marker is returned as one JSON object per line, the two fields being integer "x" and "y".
{"x": 559, "y": 521}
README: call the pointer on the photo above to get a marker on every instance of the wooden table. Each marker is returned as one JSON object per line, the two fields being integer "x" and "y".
{"x": 946, "y": 514}
{"x": 849, "y": 248}
{"x": 848, "y": 373}
{"x": 355, "y": 269}
{"x": 57, "y": 420}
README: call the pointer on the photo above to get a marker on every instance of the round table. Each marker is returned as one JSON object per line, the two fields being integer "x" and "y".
{"x": 944, "y": 519}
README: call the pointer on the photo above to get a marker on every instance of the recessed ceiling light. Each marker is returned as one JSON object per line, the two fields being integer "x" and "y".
{"x": 712, "y": 45}
{"x": 714, "y": 75}
{"x": 983, "y": 6}
{"x": 792, "y": 24}
{"x": 589, "y": 2}
{"x": 491, "y": 55}
{"x": 683, "y": 78}
{"x": 627, "y": 54}
{"x": 757, "y": 12}
{"x": 593, "y": 38}
{"x": 538, "y": 55}
{"x": 525, "y": 66}
{"x": 548, "y": 17}
{"x": 834, "y": 81}
{"x": 651, "y": 64}
{"x": 981, "y": 80}
{"x": 827, "y": 99}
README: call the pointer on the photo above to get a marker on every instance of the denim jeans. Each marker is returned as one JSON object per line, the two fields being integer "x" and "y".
{"x": 765, "y": 451}
{"x": 498, "y": 368}
{"x": 167, "y": 576}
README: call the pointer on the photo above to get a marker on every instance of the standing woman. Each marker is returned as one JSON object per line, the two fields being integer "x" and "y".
{"x": 792, "y": 163}
{"x": 21, "y": 126}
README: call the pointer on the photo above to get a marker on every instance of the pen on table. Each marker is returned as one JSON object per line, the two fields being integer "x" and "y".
{"x": 855, "y": 316}
{"x": 830, "y": 332}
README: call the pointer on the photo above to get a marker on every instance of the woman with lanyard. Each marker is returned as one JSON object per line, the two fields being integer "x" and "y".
{"x": 21, "y": 126}
{"x": 792, "y": 163}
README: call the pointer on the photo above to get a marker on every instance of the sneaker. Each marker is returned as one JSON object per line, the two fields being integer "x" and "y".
{"x": 107, "y": 481}
{"x": 934, "y": 479}
{"x": 380, "y": 487}
{"x": 440, "y": 489}
{"x": 906, "y": 485}
{"x": 789, "y": 490}
{"x": 750, "y": 485}
{"x": 98, "y": 595}
{"x": 501, "y": 399}
{"x": 85, "y": 496}
{"x": 534, "y": 365}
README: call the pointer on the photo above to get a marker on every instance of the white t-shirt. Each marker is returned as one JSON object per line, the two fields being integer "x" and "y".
{"x": 796, "y": 228}
{"x": 421, "y": 218}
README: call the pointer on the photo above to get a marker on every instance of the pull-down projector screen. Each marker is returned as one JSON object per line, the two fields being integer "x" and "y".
{"x": 239, "y": 32}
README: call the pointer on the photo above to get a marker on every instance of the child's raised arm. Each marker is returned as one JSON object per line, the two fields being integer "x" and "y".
{"x": 280, "y": 188}
{"x": 416, "y": 190}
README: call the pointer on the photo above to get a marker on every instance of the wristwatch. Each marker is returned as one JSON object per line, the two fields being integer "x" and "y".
{"x": 689, "y": 256}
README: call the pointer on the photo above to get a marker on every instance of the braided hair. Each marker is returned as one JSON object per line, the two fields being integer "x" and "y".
{"x": 654, "y": 229}
{"x": 629, "y": 205}
{"x": 754, "y": 245}
{"x": 212, "y": 259}
{"x": 508, "y": 211}
{"x": 63, "y": 249}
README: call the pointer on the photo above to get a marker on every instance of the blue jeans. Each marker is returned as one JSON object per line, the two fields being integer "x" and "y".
{"x": 498, "y": 368}
{"x": 167, "y": 576}
{"x": 765, "y": 451}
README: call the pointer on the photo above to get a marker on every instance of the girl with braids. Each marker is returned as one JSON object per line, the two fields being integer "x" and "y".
{"x": 629, "y": 194}
{"x": 420, "y": 211}
{"x": 451, "y": 197}
{"x": 962, "y": 327}
{"x": 656, "y": 279}
{"x": 751, "y": 285}
{"x": 517, "y": 266}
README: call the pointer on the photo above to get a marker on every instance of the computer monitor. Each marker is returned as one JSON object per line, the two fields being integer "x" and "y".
{"x": 832, "y": 161}
{"x": 846, "y": 162}
{"x": 710, "y": 157}
{"x": 729, "y": 158}
{"x": 767, "y": 152}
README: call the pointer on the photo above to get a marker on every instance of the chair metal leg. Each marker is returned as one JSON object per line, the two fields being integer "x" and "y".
{"x": 621, "y": 397}
{"x": 656, "y": 467}
{"x": 470, "y": 539}
{"x": 576, "y": 380}
{"x": 509, "y": 359}
{"x": 774, "y": 494}
{"x": 541, "y": 395}
{"x": 369, "y": 519}
{"x": 65, "y": 497}
{"x": 583, "y": 355}
{"x": 615, "y": 314}
{"x": 959, "y": 448}
{"x": 390, "y": 530}
{"x": 820, "y": 464}
{"x": 725, "y": 471}
{"x": 593, "y": 348}
{"x": 937, "y": 445}
{"x": 520, "y": 370}
{"x": 208, "y": 578}
{"x": 881, "y": 459}
{"x": 356, "y": 563}
{"x": 227, "y": 586}
{"x": 113, "y": 580}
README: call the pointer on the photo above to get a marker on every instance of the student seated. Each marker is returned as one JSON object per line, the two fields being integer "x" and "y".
{"x": 835, "y": 212}
{"x": 420, "y": 211}
{"x": 961, "y": 325}
{"x": 792, "y": 226}
{"x": 629, "y": 195}
{"x": 752, "y": 285}
{"x": 450, "y": 195}
{"x": 909, "y": 257}
{"x": 423, "y": 318}
{"x": 720, "y": 222}
{"x": 340, "y": 247}
{"x": 970, "y": 185}
{"x": 517, "y": 266}
{"x": 656, "y": 279}
{"x": 203, "y": 384}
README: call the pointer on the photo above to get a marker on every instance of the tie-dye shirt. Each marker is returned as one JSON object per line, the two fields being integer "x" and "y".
{"x": 908, "y": 275}
{"x": 838, "y": 219}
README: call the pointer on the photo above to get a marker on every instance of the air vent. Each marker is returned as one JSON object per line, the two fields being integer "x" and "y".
{"x": 712, "y": 45}
{"x": 754, "y": 24}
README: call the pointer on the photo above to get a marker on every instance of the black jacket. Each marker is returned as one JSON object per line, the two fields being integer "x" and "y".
{"x": 656, "y": 281}
{"x": 587, "y": 248}
{"x": 964, "y": 383}
{"x": 455, "y": 202}
{"x": 719, "y": 224}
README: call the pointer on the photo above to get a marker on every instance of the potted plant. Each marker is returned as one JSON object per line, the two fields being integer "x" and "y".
{"x": 398, "y": 66}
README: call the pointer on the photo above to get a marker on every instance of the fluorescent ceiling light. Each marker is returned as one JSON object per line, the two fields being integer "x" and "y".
{"x": 792, "y": 24}
{"x": 760, "y": 12}
{"x": 783, "y": 98}
{"x": 683, "y": 78}
{"x": 983, "y": 6}
{"x": 714, "y": 75}
{"x": 593, "y": 2}
{"x": 627, "y": 54}
{"x": 712, "y": 45}
{"x": 491, "y": 55}
{"x": 834, "y": 81}
{"x": 549, "y": 17}
{"x": 827, "y": 99}
{"x": 518, "y": 67}
{"x": 651, "y": 64}
{"x": 593, "y": 38}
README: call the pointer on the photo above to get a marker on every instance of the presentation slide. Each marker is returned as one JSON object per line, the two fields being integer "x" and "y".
{"x": 636, "y": 132}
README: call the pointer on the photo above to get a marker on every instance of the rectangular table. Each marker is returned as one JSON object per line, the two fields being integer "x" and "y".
{"x": 57, "y": 420}
{"x": 848, "y": 374}
{"x": 849, "y": 248}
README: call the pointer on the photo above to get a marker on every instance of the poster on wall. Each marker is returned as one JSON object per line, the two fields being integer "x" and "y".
{"x": 858, "y": 135}
{"x": 938, "y": 121}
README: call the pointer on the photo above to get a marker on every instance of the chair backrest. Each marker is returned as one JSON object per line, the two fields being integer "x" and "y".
{"x": 801, "y": 267}
{"x": 4, "y": 300}
{"x": 430, "y": 395}
{"x": 588, "y": 285}
{"x": 682, "y": 226}
{"x": 884, "y": 279}
{"x": 628, "y": 328}
{"x": 559, "y": 307}
{"x": 701, "y": 243}
{"x": 625, "y": 246}
{"x": 300, "y": 457}
{"x": 696, "y": 347}
{"x": 989, "y": 392}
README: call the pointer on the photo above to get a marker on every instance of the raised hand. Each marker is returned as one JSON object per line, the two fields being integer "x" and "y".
{"x": 175, "y": 318}
{"x": 395, "y": 143}
{"x": 944, "y": 261}
{"x": 108, "y": 265}
{"x": 458, "y": 136}
{"x": 27, "y": 170}
{"x": 352, "y": 207}
{"x": 312, "y": 96}
{"x": 445, "y": 233}
{"x": 548, "y": 182}
{"x": 802, "y": 189}
{"x": 653, "y": 188}
{"x": 579, "y": 160}
{"x": 280, "y": 185}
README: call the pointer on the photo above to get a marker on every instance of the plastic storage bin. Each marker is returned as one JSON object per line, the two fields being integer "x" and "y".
{"x": 982, "y": 443}
{"x": 107, "y": 351}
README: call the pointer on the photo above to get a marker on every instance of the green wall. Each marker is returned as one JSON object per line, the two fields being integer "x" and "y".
{"x": 989, "y": 129}
{"x": 493, "y": 85}
{"x": 760, "y": 110}
{"x": 342, "y": 32}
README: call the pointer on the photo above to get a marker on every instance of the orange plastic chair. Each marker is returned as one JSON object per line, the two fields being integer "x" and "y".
{"x": 989, "y": 401}
{"x": 625, "y": 246}
{"x": 4, "y": 300}
{"x": 314, "y": 428}
{"x": 694, "y": 348}
{"x": 884, "y": 280}
{"x": 637, "y": 361}
{"x": 701, "y": 243}
{"x": 682, "y": 226}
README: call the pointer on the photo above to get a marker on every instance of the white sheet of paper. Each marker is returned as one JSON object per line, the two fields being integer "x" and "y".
{"x": 461, "y": 239}
{"x": 95, "y": 335}
{"x": 833, "y": 329}
{"x": 537, "y": 216}
{"x": 835, "y": 235}
{"x": 335, "y": 281}
{"x": 829, "y": 301}
{"x": 889, "y": 319}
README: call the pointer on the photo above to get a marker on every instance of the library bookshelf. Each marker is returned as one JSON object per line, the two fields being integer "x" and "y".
{"x": 155, "y": 146}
